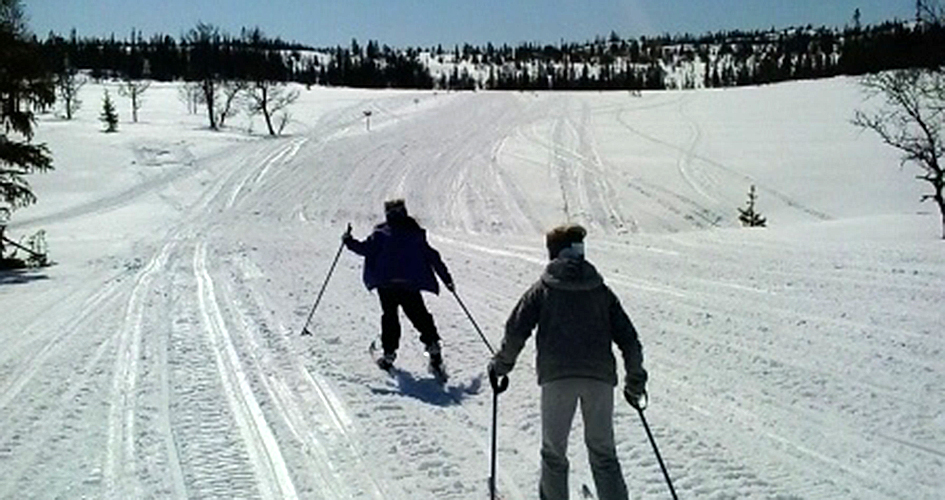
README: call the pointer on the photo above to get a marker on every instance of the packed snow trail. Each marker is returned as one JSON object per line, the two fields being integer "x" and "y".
{"x": 161, "y": 358}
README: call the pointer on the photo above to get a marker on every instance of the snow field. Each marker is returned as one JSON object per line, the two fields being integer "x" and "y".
{"x": 160, "y": 356}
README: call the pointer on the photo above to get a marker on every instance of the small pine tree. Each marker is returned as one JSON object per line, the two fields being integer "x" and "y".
{"x": 109, "y": 116}
{"x": 748, "y": 216}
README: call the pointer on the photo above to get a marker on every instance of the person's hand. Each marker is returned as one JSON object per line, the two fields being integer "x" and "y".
{"x": 637, "y": 400}
{"x": 635, "y": 394}
{"x": 451, "y": 286}
{"x": 347, "y": 234}
{"x": 499, "y": 382}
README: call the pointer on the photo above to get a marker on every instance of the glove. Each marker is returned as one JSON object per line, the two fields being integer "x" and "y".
{"x": 451, "y": 286}
{"x": 637, "y": 400}
{"x": 347, "y": 234}
{"x": 635, "y": 393}
{"x": 499, "y": 382}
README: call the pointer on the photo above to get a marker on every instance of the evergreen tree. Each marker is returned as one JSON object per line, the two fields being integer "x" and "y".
{"x": 748, "y": 216}
{"x": 25, "y": 85}
{"x": 109, "y": 116}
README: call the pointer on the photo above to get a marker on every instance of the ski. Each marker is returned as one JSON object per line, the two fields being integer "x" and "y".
{"x": 438, "y": 371}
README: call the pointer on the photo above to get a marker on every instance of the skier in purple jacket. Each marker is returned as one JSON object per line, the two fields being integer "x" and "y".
{"x": 400, "y": 263}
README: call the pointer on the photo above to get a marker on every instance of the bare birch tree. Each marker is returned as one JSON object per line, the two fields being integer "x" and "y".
{"x": 204, "y": 41}
{"x": 134, "y": 90}
{"x": 269, "y": 98}
{"x": 68, "y": 85}
{"x": 912, "y": 120}
{"x": 230, "y": 99}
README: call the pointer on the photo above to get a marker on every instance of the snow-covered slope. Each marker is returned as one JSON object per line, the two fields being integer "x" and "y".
{"x": 161, "y": 357}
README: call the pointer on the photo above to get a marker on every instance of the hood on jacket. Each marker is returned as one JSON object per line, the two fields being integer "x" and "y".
{"x": 566, "y": 273}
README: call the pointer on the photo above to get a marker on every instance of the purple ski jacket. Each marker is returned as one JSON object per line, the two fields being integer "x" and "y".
{"x": 399, "y": 256}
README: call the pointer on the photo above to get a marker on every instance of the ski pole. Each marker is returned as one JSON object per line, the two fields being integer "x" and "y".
{"x": 499, "y": 385}
{"x": 321, "y": 292}
{"x": 495, "y": 421}
{"x": 473, "y": 321}
{"x": 657, "y": 451}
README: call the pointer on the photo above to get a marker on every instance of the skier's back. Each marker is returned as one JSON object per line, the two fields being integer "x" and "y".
{"x": 578, "y": 319}
{"x": 400, "y": 263}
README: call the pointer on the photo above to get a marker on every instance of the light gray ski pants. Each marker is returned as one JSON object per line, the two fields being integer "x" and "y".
{"x": 559, "y": 400}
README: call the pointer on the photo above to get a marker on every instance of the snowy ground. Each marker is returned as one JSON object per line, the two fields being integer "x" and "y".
{"x": 160, "y": 356}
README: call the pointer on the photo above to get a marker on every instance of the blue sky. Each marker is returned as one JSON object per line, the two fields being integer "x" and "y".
{"x": 403, "y": 23}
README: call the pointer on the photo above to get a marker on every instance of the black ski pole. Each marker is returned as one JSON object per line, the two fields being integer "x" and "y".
{"x": 495, "y": 421}
{"x": 321, "y": 292}
{"x": 473, "y": 321}
{"x": 657, "y": 451}
{"x": 499, "y": 385}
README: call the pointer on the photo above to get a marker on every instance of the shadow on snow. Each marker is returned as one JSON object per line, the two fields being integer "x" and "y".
{"x": 20, "y": 276}
{"x": 429, "y": 390}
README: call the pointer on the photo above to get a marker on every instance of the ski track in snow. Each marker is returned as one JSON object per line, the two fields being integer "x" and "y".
{"x": 120, "y": 467}
{"x": 265, "y": 455}
{"x": 166, "y": 361}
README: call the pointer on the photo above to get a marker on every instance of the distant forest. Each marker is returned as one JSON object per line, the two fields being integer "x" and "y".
{"x": 723, "y": 59}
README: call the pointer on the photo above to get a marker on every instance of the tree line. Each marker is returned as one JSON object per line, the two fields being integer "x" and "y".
{"x": 721, "y": 59}
{"x": 248, "y": 56}
{"x": 724, "y": 59}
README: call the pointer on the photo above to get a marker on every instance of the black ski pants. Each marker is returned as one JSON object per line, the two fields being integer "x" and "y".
{"x": 416, "y": 311}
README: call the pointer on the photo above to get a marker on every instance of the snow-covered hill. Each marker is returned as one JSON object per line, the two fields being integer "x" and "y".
{"x": 161, "y": 358}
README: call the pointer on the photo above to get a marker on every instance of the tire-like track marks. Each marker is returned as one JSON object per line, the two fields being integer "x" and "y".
{"x": 265, "y": 455}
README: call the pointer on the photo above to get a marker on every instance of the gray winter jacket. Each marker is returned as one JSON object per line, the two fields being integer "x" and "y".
{"x": 578, "y": 317}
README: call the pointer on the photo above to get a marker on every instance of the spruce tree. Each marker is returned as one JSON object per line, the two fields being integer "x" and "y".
{"x": 109, "y": 116}
{"x": 25, "y": 85}
{"x": 748, "y": 216}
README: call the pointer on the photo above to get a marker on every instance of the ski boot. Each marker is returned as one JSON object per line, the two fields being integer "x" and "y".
{"x": 436, "y": 361}
{"x": 386, "y": 362}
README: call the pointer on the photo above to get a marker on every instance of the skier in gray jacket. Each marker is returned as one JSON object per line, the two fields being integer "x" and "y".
{"x": 578, "y": 318}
